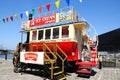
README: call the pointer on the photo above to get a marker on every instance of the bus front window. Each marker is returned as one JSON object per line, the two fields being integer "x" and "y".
{"x": 55, "y": 33}
{"x": 47, "y": 33}
{"x": 34, "y": 35}
{"x": 65, "y": 31}
{"x": 40, "y": 35}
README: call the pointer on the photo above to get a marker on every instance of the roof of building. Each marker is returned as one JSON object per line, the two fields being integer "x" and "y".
{"x": 110, "y": 41}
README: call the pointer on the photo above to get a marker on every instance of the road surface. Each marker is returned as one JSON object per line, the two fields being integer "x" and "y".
{"x": 6, "y": 73}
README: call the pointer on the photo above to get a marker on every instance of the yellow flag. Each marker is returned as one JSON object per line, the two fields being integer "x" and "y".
{"x": 57, "y": 3}
{"x": 16, "y": 16}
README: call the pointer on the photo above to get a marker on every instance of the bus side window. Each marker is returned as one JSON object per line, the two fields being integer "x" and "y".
{"x": 65, "y": 31}
{"x": 55, "y": 33}
{"x": 34, "y": 35}
{"x": 47, "y": 33}
{"x": 40, "y": 35}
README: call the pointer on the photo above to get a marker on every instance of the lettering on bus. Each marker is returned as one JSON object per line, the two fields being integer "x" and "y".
{"x": 43, "y": 20}
{"x": 65, "y": 16}
{"x": 31, "y": 56}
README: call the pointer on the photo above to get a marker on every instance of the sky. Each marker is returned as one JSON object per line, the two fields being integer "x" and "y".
{"x": 104, "y": 15}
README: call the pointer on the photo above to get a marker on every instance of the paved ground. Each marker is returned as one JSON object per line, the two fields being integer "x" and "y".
{"x": 107, "y": 74}
{"x": 6, "y": 73}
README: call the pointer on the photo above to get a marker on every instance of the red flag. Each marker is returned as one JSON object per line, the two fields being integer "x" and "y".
{"x": 48, "y": 7}
{"x": 11, "y": 17}
{"x": 40, "y": 9}
{"x": 6, "y": 19}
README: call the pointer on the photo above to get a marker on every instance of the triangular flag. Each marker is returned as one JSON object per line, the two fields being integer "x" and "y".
{"x": 48, "y": 7}
{"x": 81, "y": 1}
{"x": 33, "y": 11}
{"x": 3, "y": 20}
{"x": 40, "y": 9}
{"x": 0, "y": 21}
{"x": 11, "y": 17}
{"x": 27, "y": 14}
{"x": 16, "y": 16}
{"x": 68, "y": 2}
{"x": 57, "y": 3}
{"x": 21, "y": 15}
{"x": 6, "y": 19}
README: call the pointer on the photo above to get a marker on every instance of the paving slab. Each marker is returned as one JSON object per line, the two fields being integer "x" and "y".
{"x": 6, "y": 73}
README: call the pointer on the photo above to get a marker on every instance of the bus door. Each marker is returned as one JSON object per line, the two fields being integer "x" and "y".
{"x": 79, "y": 40}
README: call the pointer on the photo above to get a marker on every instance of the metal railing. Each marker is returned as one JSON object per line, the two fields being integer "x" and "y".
{"x": 52, "y": 49}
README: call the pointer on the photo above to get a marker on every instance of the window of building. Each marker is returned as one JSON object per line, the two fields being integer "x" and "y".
{"x": 65, "y": 31}
{"x": 55, "y": 33}
{"x": 47, "y": 33}
{"x": 40, "y": 35}
{"x": 34, "y": 35}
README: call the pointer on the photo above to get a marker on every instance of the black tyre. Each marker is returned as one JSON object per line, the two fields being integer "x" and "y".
{"x": 16, "y": 64}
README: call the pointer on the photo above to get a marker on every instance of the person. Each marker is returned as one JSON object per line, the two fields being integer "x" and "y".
{"x": 5, "y": 56}
{"x": 100, "y": 61}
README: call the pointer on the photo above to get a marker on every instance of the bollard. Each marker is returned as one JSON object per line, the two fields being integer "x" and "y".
{"x": 100, "y": 65}
{"x": 100, "y": 62}
{"x": 5, "y": 56}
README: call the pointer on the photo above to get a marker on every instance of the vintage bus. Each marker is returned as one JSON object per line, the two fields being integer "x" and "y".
{"x": 56, "y": 48}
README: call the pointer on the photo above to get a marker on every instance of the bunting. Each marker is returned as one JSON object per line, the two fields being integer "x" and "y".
{"x": 6, "y": 19}
{"x": 68, "y": 2}
{"x": 21, "y": 15}
{"x": 16, "y": 16}
{"x": 40, "y": 9}
{"x": 27, "y": 13}
{"x": 48, "y": 7}
{"x": 11, "y": 17}
{"x": 33, "y": 11}
{"x": 3, "y": 20}
{"x": 57, "y": 3}
{"x": 80, "y": 1}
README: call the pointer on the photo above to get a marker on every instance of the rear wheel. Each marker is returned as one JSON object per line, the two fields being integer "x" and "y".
{"x": 16, "y": 64}
{"x": 16, "y": 59}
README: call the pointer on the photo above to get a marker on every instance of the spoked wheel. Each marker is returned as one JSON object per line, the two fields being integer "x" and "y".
{"x": 17, "y": 64}
{"x": 60, "y": 77}
{"x": 46, "y": 71}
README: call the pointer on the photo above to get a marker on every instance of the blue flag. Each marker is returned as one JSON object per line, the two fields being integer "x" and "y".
{"x": 68, "y": 2}
{"x": 21, "y": 15}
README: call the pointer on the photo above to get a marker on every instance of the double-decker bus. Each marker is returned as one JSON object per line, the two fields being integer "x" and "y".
{"x": 56, "y": 43}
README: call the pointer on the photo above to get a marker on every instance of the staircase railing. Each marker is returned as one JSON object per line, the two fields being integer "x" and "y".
{"x": 61, "y": 56}
{"x": 54, "y": 50}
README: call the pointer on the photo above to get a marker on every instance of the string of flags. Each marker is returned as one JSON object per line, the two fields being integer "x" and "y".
{"x": 39, "y": 9}
{"x": 81, "y": 1}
